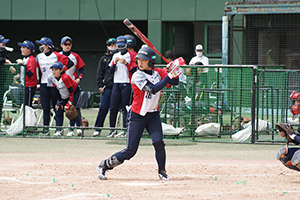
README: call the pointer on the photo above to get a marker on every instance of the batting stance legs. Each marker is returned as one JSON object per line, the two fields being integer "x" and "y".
{"x": 137, "y": 123}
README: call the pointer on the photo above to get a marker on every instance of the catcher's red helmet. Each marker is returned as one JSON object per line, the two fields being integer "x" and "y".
{"x": 295, "y": 107}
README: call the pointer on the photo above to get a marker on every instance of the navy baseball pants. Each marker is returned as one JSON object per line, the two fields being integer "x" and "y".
{"x": 47, "y": 94}
{"x": 120, "y": 94}
{"x": 104, "y": 107}
{"x": 29, "y": 94}
{"x": 151, "y": 121}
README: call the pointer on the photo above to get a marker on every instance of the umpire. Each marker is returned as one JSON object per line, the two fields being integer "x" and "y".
{"x": 105, "y": 83}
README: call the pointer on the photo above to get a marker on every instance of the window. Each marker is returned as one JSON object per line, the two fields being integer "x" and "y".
{"x": 213, "y": 40}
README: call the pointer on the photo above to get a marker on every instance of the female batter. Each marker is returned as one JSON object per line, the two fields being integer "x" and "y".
{"x": 45, "y": 60}
{"x": 147, "y": 83}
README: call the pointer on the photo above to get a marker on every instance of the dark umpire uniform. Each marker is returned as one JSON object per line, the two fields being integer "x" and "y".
{"x": 105, "y": 81}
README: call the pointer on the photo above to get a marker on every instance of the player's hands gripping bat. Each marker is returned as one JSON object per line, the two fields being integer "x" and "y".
{"x": 174, "y": 70}
{"x": 289, "y": 132}
{"x": 142, "y": 37}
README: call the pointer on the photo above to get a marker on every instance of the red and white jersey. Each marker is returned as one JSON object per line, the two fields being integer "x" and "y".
{"x": 45, "y": 62}
{"x": 132, "y": 63}
{"x": 121, "y": 74}
{"x": 78, "y": 64}
{"x": 31, "y": 65}
{"x": 62, "y": 84}
{"x": 144, "y": 101}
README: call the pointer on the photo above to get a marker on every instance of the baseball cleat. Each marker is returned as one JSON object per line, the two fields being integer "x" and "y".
{"x": 96, "y": 134}
{"x": 112, "y": 133}
{"x": 163, "y": 176}
{"x": 79, "y": 132}
{"x": 101, "y": 173}
{"x": 121, "y": 134}
{"x": 70, "y": 134}
{"x": 59, "y": 133}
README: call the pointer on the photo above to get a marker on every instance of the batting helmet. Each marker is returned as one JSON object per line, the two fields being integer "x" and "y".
{"x": 131, "y": 42}
{"x": 147, "y": 53}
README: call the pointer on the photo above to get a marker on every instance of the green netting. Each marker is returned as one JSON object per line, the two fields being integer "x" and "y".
{"x": 212, "y": 103}
{"x": 11, "y": 98}
{"x": 273, "y": 103}
{"x": 219, "y": 98}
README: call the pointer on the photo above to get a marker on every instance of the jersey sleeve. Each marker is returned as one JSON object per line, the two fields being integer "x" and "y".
{"x": 139, "y": 80}
{"x": 37, "y": 62}
{"x": 70, "y": 85}
{"x": 62, "y": 58}
{"x": 163, "y": 74}
{"x": 80, "y": 63}
{"x": 50, "y": 81}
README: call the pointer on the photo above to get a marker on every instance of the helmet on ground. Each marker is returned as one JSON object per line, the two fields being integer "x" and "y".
{"x": 131, "y": 42}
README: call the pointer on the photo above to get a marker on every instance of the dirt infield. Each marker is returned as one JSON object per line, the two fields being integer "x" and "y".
{"x": 65, "y": 169}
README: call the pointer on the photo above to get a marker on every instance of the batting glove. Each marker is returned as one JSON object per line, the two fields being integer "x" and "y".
{"x": 174, "y": 71}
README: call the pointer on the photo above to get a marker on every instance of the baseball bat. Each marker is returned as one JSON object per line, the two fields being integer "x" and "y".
{"x": 142, "y": 37}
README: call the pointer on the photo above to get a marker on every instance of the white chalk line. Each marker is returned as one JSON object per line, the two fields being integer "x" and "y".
{"x": 140, "y": 184}
{"x": 17, "y": 180}
{"x": 78, "y": 195}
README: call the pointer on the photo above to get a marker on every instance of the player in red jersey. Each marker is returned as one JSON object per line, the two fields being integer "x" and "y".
{"x": 69, "y": 92}
{"x": 44, "y": 60}
{"x": 147, "y": 83}
{"x": 66, "y": 45}
{"x": 27, "y": 50}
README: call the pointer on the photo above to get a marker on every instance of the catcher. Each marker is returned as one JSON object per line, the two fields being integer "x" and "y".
{"x": 70, "y": 92}
{"x": 290, "y": 157}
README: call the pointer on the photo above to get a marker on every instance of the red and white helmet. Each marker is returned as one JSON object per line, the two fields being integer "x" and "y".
{"x": 295, "y": 107}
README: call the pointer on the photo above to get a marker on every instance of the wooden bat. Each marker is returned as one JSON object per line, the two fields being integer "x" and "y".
{"x": 142, "y": 37}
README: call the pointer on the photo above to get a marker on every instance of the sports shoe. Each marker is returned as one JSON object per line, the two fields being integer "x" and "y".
{"x": 2, "y": 133}
{"x": 96, "y": 134}
{"x": 46, "y": 133}
{"x": 79, "y": 132}
{"x": 59, "y": 133}
{"x": 121, "y": 134}
{"x": 101, "y": 173}
{"x": 112, "y": 133}
{"x": 163, "y": 176}
{"x": 70, "y": 134}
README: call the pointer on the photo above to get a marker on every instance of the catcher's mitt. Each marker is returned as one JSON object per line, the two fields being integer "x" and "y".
{"x": 287, "y": 129}
{"x": 71, "y": 113}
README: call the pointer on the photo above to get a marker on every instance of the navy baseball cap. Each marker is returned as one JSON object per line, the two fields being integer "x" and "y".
{"x": 121, "y": 41}
{"x": 64, "y": 39}
{"x": 57, "y": 65}
{"x": 45, "y": 40}
{"x": 27, "y": 44}
{"x": 146, "y": 53}
{"x": 3, "y": 40}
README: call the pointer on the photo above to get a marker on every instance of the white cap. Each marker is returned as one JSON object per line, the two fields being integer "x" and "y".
{"x": 199, "y": 47}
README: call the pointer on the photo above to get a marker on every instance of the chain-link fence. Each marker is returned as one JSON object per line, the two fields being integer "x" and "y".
{"x": 221, "y": 103}
{"x": 11, "y": 99}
